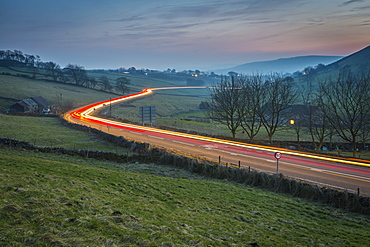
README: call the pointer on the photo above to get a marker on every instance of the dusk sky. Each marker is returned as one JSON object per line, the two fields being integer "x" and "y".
{"x": 193, "y": 34}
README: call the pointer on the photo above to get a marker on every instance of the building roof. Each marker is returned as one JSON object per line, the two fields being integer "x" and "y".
{"x": 29, "y": 102}
{"x": 16, "y": 105}
{"x": 41, "y": 101}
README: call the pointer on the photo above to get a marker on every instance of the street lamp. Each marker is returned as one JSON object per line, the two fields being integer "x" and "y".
{"x": 296, "y": 127}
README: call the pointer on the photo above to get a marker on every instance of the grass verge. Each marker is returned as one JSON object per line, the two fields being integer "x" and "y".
{"x": 50, "y": 199}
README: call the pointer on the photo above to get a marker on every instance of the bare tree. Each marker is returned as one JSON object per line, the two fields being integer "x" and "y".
{"x": 346, "y": 104}
{"x": 104, "y": 83}
{"x": 121, "y": 84}
{"x": 31, "y": 62}
{"x": 226, "y": 97}
{"x": 278, "y": 95}
{"x": 365, "y": 133}
{"x": 92, "y": 82}
{"x": 78, "y": 73}
{"x": 62, "y": 104}
{"x": 52, "y": 70}
{"x": 318, "y": 126}
{"x": 313, "y": 117}
{"x": 252, "y": 93}
{"x": 62, "y": 76}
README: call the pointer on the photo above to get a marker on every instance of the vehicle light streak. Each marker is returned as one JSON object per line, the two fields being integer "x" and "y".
{"x": 345, "y": 175}
{"x": 321, "y": 164}
{"x": 85, "y": 114}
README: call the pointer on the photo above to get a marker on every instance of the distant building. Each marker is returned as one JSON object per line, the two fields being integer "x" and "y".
{"x": 24, "y": 106}
{"x": 43, "y": 105}
{"x": 36, "y": 104}
{"x": 302, "y": 114}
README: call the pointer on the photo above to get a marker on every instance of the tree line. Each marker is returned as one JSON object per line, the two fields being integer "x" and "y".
{"x": 340, "y": 107}
{"x": 76, "y": 74}
{"x": 72, "y": 73}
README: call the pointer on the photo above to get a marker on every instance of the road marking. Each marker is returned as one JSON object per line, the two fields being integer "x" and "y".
{"x": 316, "y": 170}
{"x": 184, "y": 143}
{"x": 365, "y": 179}
{"x": 161, "y": 138}
{"x": 235, "y": 154}
{"x": 307, "y": 167}
{"x": 257, "y": 158}
{"x": 210, "y": 146}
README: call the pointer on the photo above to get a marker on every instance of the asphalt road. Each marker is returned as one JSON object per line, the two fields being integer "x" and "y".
{"x": 343, "y": 174}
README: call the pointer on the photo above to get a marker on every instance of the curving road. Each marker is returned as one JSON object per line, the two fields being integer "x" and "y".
{"x": 344, "y": 174}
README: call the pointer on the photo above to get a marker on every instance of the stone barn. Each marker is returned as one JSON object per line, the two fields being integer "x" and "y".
{"x": 24, "y": 106}
{"x": 43, "y": 106}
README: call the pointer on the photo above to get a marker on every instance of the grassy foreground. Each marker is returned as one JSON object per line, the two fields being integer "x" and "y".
{"x": 49, "y": 199}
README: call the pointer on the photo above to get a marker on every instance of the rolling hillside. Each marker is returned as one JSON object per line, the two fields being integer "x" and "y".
{"x": 357, "y": 63}
{"x": 285, "y": 65}
{"x": 14, "y": 89}
{"x": 359, "y": 59}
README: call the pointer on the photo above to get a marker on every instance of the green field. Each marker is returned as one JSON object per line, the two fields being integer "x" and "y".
{"x": 18, "y": 88}
{"x": 49, "y": 132}
{"x": 49, "y": 200}
{"x": 166, "y": 104}
{"x": 137, "y": 82}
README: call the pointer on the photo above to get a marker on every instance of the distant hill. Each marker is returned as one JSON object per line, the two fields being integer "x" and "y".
{"x": 284, "y": 65}
{"x": 357, "y": 60}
